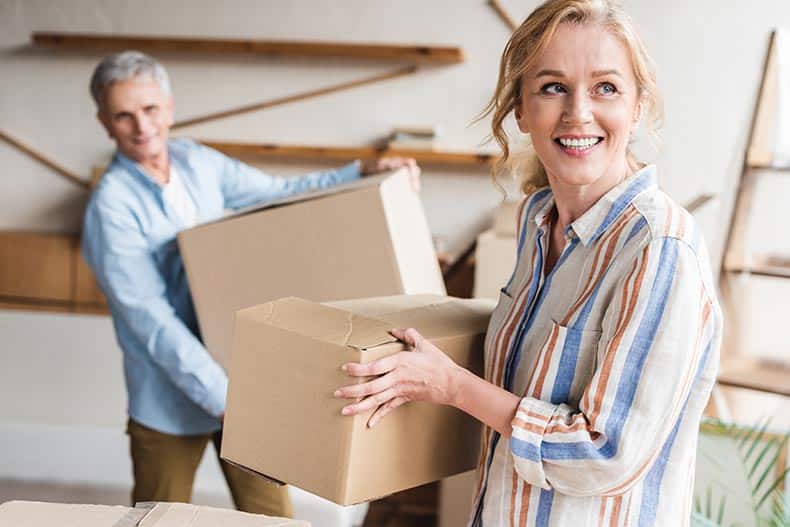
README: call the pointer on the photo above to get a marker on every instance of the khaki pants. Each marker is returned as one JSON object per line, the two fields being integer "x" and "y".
{"x": 164, "y": 470}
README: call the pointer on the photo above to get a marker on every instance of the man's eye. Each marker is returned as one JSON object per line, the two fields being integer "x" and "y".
{"x": 553, "y": 88}
{"x": 606, "y": 88}
{"x": 151, "y": 109}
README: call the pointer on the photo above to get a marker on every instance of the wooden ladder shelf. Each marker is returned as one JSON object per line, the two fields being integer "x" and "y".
{"x": 738, "y": 368}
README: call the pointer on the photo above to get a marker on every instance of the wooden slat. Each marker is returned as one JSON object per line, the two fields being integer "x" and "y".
{"x": 735, "y": 250}
{"x": 756, "y": 374}
{"x": 36, "y": 266}
{"x": 407, "y": 53}
{"x": 50, "y": 306}
{"x": 271, "y": 103}
{"x": 763, "y": 265}
{"x": 334, "y": 153}
{"x": 18, "y": 304}
{"x": 44, "y": 160}
{"x": 762, "y": 137}
{"x": 697, "y": 203}
{"x": 503, "y": 15}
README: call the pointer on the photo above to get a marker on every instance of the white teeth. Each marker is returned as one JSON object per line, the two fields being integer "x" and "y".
{"x": 586, "y": 142}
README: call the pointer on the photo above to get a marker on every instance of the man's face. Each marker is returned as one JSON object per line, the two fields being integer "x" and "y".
{"x": 137, "y": 114}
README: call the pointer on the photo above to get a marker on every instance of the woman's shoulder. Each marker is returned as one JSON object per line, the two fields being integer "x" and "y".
{"x": 665, "y": 218}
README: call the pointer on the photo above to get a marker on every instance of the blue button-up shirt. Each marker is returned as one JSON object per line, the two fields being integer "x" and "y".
{"x": 129, "y": 240}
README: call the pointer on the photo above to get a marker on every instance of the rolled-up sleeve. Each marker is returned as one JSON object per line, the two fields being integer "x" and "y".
{"x": 658, "y": 332}
{"x": 118, "y": 253}
{"x": 244, "y": 186}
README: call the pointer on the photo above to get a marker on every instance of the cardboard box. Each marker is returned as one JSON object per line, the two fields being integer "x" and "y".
{"x": 495, "y": 259}
{"x": 505, "y": 219}
{"x": 36, "y": 514}
{"x": 456, "y": 495}
{"x": 282, "y": 420}
{"x": 368, "y": 238}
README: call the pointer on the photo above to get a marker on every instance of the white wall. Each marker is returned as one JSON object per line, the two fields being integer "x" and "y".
{"x": 63, "y": 370}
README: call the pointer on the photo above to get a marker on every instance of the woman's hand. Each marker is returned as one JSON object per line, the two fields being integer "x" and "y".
{"x": 423, "y": 374}
{"x": 383, "y": 164}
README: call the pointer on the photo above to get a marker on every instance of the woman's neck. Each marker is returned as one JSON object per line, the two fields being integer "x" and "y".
{"x": 572, "y": 201}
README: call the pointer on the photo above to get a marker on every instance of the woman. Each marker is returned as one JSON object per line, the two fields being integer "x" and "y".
{"x": 602, "y": 351}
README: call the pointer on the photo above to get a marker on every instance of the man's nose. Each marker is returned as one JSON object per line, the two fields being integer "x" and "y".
{"x": 578, "y": 109}
{"x": 142, "y": 124}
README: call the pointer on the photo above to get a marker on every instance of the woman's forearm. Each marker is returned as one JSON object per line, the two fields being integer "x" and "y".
{"x": 490, "y": 404}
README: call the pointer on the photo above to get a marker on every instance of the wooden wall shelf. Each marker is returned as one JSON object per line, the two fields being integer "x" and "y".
{"x": 760, "y": 264}
{"x": 277, "y": 48}
{"x": 337, "y": 153}
{"x": 45, "y": 272}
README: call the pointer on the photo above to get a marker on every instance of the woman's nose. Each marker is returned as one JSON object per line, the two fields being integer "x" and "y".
{"x": 578, "y": 110}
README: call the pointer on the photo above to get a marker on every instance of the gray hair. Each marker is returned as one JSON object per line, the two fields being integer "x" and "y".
{"x": 124, "y": 66}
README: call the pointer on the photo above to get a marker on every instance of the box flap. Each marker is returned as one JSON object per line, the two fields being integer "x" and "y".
{"x": 380, "y": 305}
{"x": 367, "y": 181}
{"x": 434, "y": 316}
{"x": 444, "y": 319}
{"x": 321, "y": 322}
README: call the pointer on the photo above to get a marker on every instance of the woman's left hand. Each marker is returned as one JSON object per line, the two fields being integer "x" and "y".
{"x": 423, "y": 374}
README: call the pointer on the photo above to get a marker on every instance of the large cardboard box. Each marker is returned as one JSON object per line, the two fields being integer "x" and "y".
{"x": 36, "y": 514}
{"x": 282, "y": 420}
{"x": 369, "y": 238}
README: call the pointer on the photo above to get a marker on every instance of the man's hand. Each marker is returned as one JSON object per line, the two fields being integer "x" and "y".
{"x": 384, "y": 164}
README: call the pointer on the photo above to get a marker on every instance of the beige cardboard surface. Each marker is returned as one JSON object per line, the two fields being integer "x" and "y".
{"x": 456, "y": 495}
{"x": 283, "y": 421}
{"x": 37, "y": 514}
{"x": 368, "y": 239}
{"x": 505, "y": 219}
{"x": 495, "y": 259}
{"x": 186, "y": 515}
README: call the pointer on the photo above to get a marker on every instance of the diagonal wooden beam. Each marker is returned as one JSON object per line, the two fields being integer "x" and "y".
{"x": 698, "y": 201}
{"x": 400, "y": 72}
{"x": 44, "y": 160}
{"x": 504, "y": 15}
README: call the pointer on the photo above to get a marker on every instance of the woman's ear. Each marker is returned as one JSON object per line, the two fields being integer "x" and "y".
{"x": 518, "y": 113}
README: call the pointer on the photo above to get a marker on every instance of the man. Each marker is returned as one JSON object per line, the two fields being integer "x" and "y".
{"x": 154, "y": 188}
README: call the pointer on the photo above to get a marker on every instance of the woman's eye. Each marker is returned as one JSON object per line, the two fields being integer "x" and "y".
{"x": 553, "y": 88}
{"x": 606, "y": 88}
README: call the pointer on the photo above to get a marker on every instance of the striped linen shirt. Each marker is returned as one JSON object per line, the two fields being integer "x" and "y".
{"x": 614, "y": 353}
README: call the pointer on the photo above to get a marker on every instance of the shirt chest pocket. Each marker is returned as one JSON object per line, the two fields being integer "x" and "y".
{"x": 565, "y": 364}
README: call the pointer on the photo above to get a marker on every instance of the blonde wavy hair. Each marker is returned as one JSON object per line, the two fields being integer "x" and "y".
{"x": 523, "y": 49}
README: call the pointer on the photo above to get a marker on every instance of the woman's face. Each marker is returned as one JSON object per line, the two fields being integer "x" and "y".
{"x": 579, "y": 104}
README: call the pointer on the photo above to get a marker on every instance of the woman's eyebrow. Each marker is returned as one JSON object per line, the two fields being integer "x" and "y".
{"x": 549, "y": 73}
{"x": 604, "y": 73}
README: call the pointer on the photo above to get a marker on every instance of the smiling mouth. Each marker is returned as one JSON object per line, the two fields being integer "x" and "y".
{"x": 578, "y": 144}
